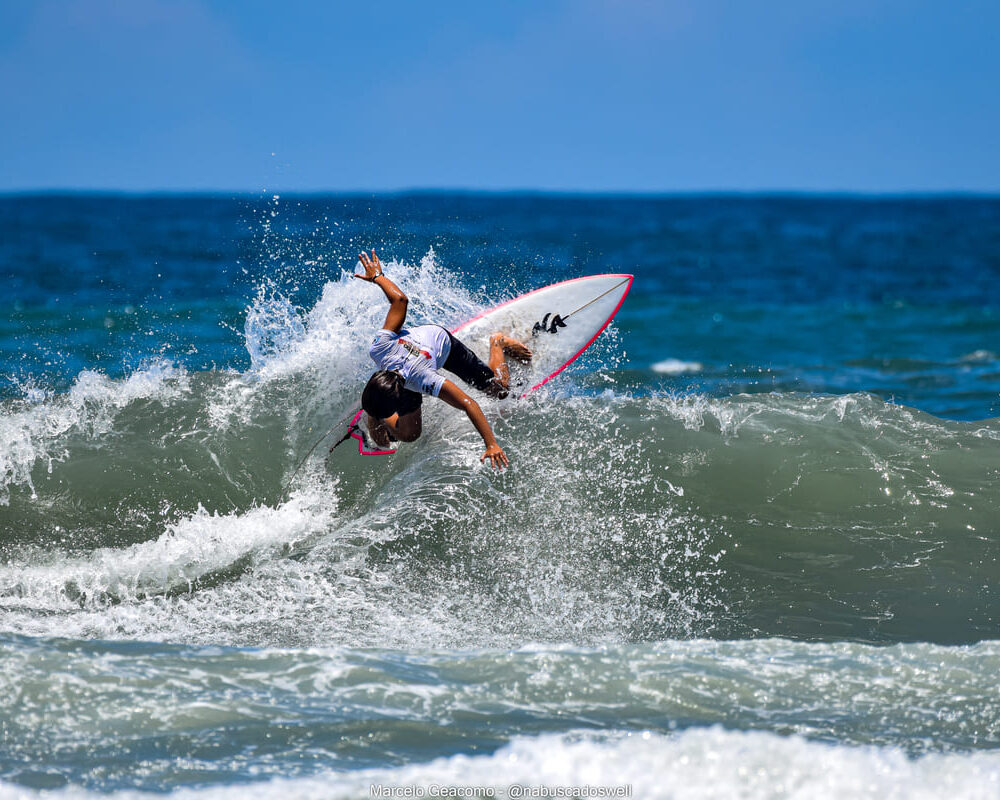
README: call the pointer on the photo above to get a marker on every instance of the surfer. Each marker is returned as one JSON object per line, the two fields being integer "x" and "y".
{"x": 409, "y": 359}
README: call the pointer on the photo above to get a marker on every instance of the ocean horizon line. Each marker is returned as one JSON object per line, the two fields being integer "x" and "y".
{"x": 834, "y": 194}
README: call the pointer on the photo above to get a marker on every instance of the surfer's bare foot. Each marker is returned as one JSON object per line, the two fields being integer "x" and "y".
{"x": 513, "y": 348}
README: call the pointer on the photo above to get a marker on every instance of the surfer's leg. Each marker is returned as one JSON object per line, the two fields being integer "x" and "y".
{"x": 471, "y": 369}
{"x": 512, "y": 347}
{"x": 498, "y": 361}
{"x": 502, "y": 346}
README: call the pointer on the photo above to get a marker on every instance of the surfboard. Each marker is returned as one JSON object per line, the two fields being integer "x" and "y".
{"x": 558, "y": 322}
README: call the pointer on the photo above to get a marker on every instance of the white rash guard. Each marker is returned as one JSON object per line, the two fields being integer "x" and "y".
{"x": 415, "y": 353}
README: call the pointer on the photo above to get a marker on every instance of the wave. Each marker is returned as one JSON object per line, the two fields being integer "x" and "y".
{"x": 707, "y": 714}
{"x": 166, "y": 503}
{"x": 693, "y": 764}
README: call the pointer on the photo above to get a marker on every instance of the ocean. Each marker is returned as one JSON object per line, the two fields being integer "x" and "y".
{"x": 747, "y": 546}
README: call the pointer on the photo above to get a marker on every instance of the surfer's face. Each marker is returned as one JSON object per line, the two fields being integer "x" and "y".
{"x": 406, "y": 427}
{"x": 379, "y": 432}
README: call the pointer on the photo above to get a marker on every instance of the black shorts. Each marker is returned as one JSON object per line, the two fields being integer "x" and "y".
{"x": 469, "y": 367}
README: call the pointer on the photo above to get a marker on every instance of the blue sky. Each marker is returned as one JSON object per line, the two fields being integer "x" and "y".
{"x": 592, "y": 95}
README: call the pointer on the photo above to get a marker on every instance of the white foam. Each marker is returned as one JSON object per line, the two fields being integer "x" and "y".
{"x": 674, "y": 366}
{"x": 192, "y": 548}
{"x": 693, "y": 765}
{"x": 335, "y": 332}
{"x": 704, "y": 763}
{"x": 273, "y": 325}
{"x": 327, "y": 345}
{"x": 978, "y": 357}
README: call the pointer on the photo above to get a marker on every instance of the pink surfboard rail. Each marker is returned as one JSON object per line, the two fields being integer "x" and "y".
{"x": 363, "y": 450}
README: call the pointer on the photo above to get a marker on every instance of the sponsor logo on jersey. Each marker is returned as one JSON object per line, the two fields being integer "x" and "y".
{"x": 414, "y": 350}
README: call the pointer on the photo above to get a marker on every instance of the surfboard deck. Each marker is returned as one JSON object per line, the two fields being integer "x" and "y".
{"x": 558, "y": 322}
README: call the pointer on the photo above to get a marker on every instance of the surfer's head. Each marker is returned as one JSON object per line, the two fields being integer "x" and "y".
{"x": 386, "y": 395}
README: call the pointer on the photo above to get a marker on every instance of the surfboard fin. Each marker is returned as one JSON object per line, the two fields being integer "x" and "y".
{"x": 544, "y": 325}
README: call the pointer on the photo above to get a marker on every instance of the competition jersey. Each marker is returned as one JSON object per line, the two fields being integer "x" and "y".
{"x": 415, "y": 353}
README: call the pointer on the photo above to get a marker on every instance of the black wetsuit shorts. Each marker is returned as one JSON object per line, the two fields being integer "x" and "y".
{"x": 468, "y": 366}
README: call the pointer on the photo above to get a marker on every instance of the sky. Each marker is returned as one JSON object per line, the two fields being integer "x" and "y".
{"x": 563, "y": 95}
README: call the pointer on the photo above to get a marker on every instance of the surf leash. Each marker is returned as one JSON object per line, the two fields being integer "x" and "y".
{"x": 558, "y": 321}
{"x": 350, "y": 429}
{"x": 354, "y": 426}
{"x": 609, "y": 291}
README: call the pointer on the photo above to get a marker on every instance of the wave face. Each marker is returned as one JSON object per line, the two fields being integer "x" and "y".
{"x": 699, "y": 573}
{"x": 625, "y": 517}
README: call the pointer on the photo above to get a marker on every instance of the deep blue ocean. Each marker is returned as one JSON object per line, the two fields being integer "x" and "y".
{"x": 747, "y": 546}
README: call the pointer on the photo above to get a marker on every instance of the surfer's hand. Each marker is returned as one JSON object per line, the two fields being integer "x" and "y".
{"x": 496, "y": 456}
{"x": 372, "y": 266}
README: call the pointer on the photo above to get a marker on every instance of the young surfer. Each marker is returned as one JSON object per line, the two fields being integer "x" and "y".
{"x": 408, "y": 361}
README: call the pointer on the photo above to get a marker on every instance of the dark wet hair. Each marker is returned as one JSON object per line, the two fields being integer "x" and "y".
{"x": 386, "y": 395}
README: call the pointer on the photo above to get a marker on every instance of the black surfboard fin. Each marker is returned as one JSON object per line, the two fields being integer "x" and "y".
{"x": 545, "y": 325}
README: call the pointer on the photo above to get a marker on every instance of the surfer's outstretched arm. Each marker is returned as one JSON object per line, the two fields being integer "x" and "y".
{"x": 456, "y": 398}
{"x": 397, "y": 300}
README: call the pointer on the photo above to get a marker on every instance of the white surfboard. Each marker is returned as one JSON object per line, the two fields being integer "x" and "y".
{"x": 557, "y": 322}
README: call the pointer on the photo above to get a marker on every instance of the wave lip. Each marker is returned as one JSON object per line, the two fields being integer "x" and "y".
{"x": 36, "y": 429}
